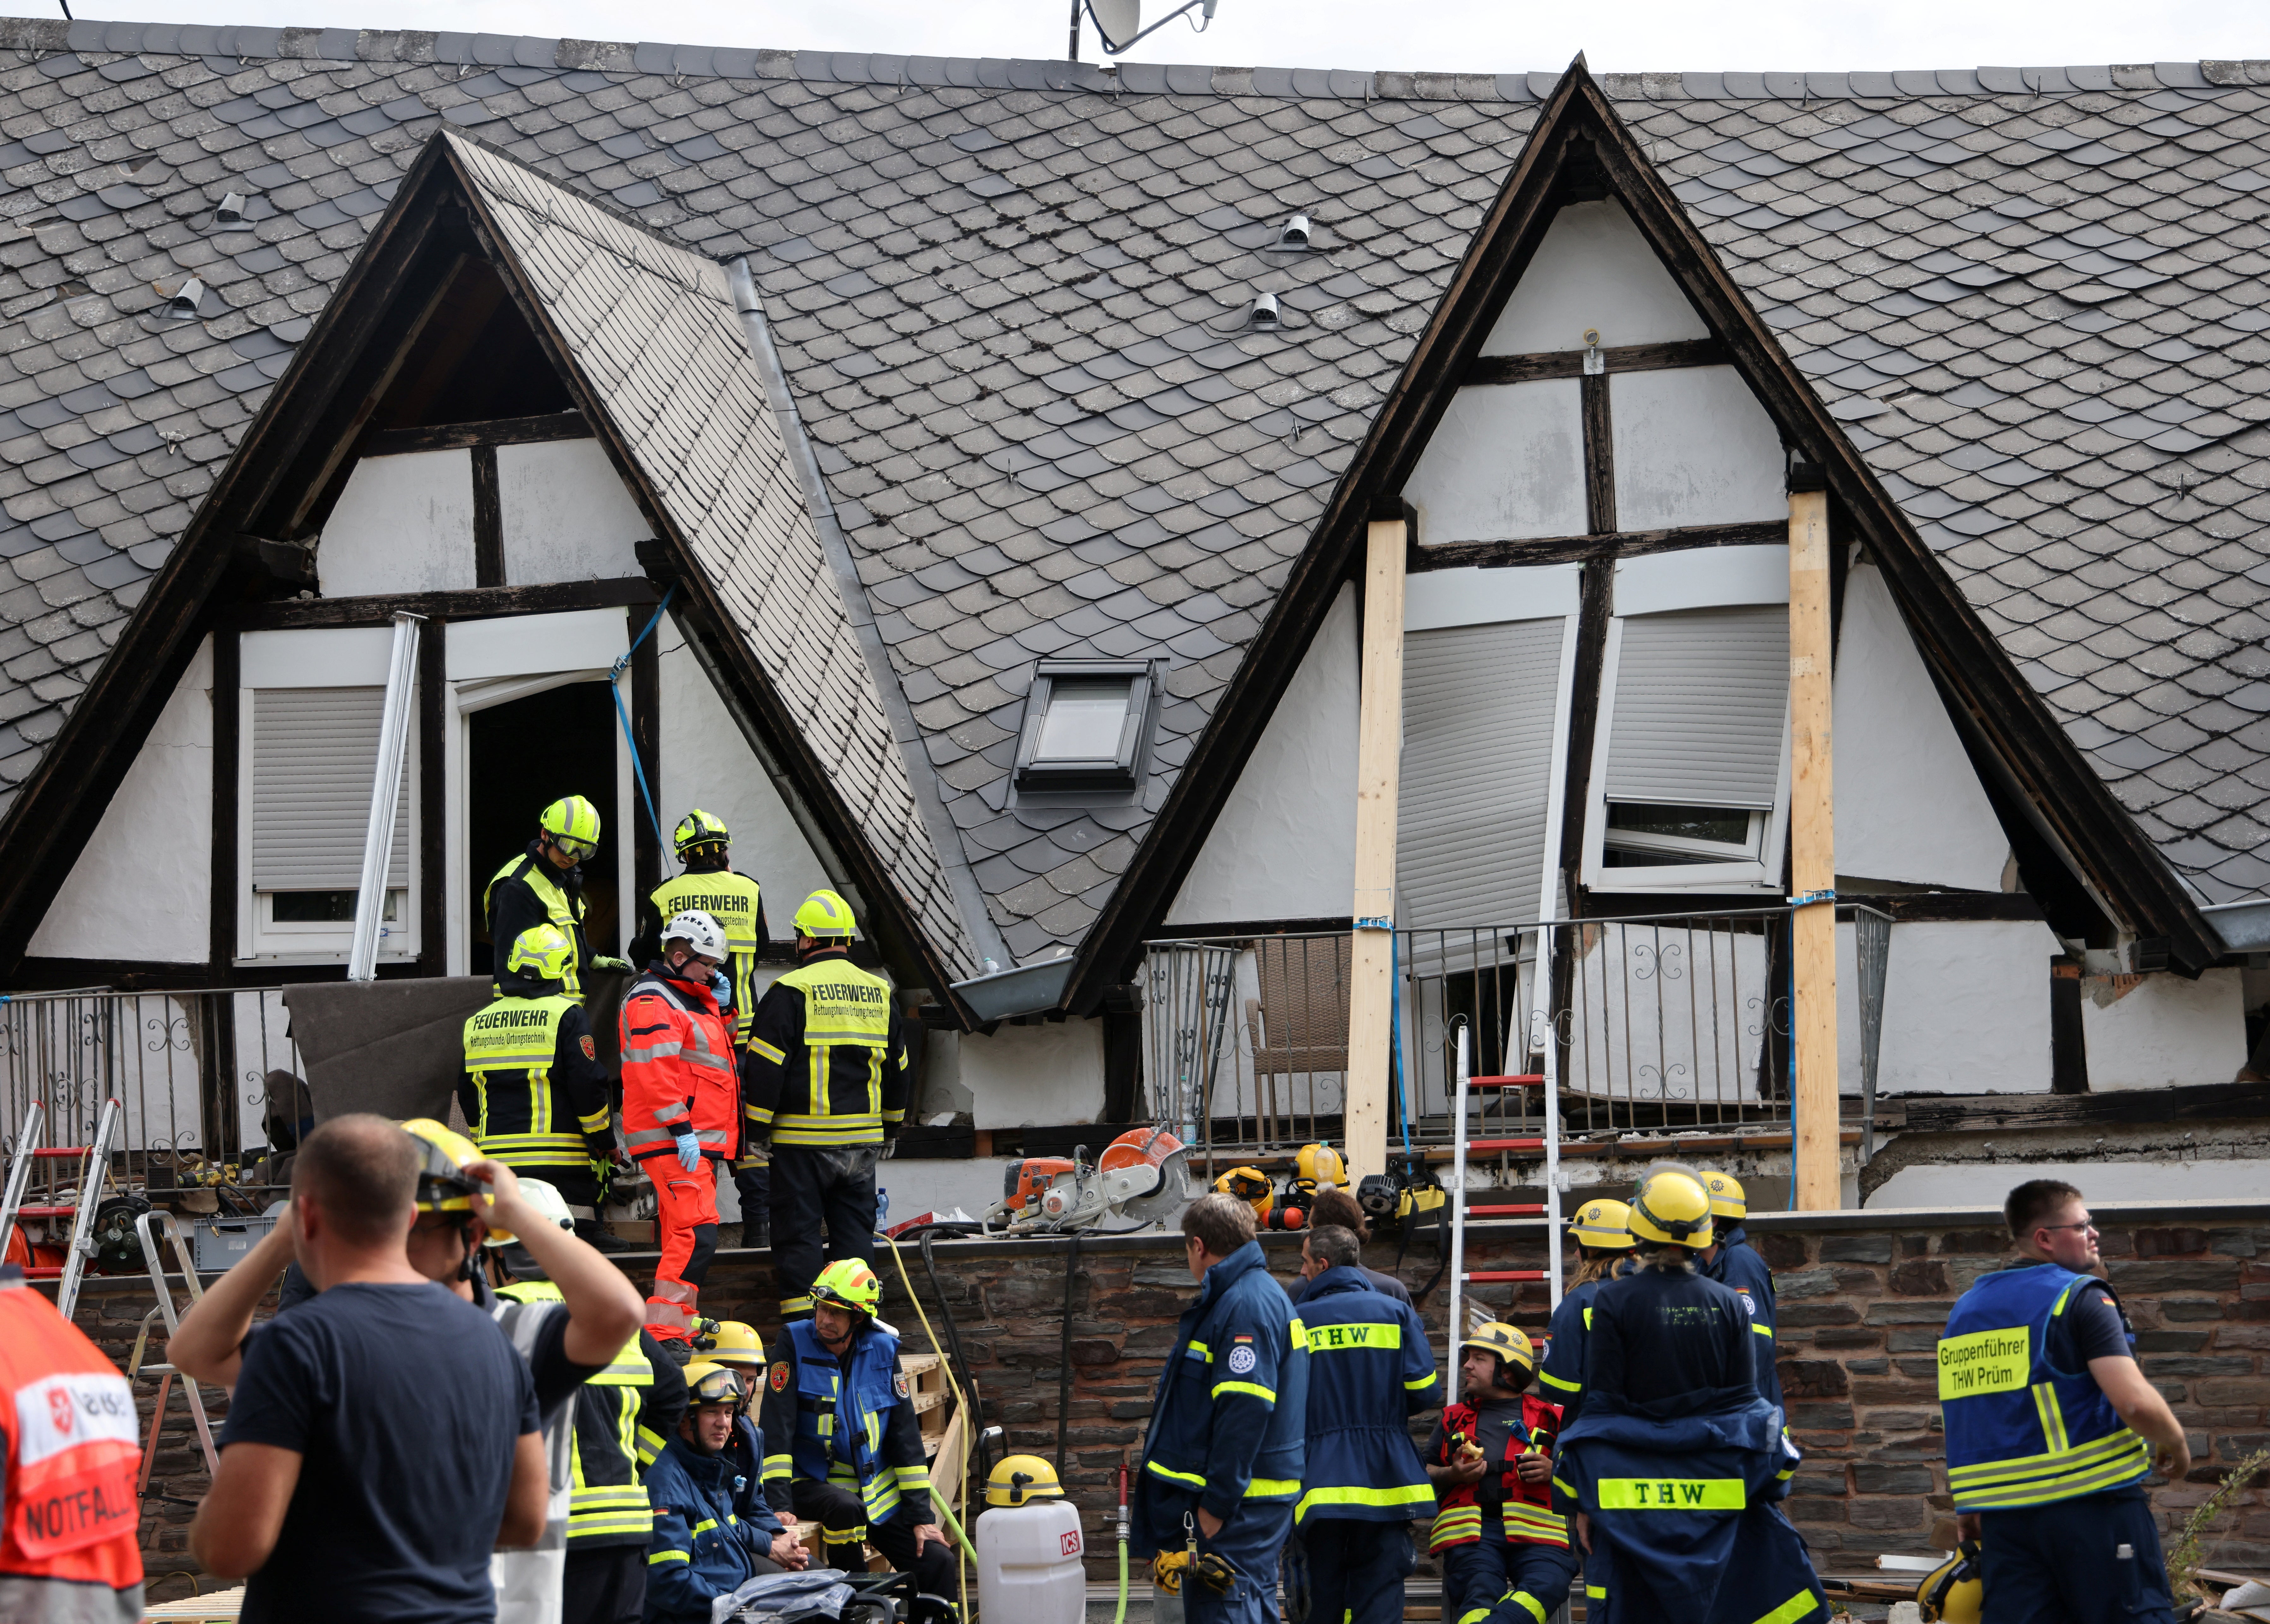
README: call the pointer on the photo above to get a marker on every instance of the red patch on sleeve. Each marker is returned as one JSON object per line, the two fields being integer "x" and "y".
{"x": 591, "y": 1048}
{"x": 779, "y": 1378}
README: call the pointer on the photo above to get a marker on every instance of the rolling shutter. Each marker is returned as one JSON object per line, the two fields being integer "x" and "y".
{"x": 1701, "y": 697}
{"x": 314, "y": 753}
{"x": 1478, "y": 708}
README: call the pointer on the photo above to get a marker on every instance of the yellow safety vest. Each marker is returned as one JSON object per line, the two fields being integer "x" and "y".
{"x": 845, "y": 1008}
{"x": 731, "y": 899}
{"x": 608, "y": 1504}
{"x": 509, "y": 1048}
{"x": 563, "y": 912}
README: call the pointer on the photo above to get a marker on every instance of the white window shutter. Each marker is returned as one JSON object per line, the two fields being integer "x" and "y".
{"x": 1701, "y": 697}
{"x": 1479, "y": 710}
{"x": 314, "y": 753}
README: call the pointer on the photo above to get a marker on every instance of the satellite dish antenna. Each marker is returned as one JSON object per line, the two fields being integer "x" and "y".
{"x": 1117, "y": 20}
{"x": 1120, "y": 23}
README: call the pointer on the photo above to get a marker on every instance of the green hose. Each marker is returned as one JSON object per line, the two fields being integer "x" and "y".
{"x": 945, "y": 1515}
{"x": 1120, "y": 1616}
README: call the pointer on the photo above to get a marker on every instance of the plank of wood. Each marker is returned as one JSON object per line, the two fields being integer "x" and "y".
{"x": 1617, "y": 357}
{"x": 457, "y": 436}
{"x": 1813, "y": 853}
{"x": 1584, "y": 549}
{"x": 470, "y": 603}
{"x": 1379, "y": 766}
{"x": 489, "y": 520}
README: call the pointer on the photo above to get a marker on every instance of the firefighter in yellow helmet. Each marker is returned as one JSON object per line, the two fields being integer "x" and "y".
{"x": 824, "y": 1090}
{"x": 1603, "y": 1244}
{"x": 1731, "y": 1260}
{"x": 532, "y": 1091}
{"x": 545, "y": 882}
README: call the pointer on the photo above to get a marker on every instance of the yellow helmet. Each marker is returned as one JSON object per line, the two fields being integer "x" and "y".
{"x": 1672, "y": 1207}
{"x": 1320, "y": 1164}
{"x": 851, "y": 1283}
{"x": 735, "y": 1343}
{"x": 1251, "y": 1186}
{"x": 1727, "y": 1199}
{"x": 443, "y": 1186}
{"x": 1955, "y": 1590}
{"x": 1017, "y": 1478}
{"x": 542, "y": 951}
{"x": 1603, "y": 1225}
{"x": 1508, "y": 1342}
{"x": 826, "y": 914}
{"x": 699, "y": 828}
{"x": 708, "y": 1383}
{"x": 573, "y": 823}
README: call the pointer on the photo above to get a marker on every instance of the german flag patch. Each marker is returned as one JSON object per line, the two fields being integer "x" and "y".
{"x": 779, "y": 1376}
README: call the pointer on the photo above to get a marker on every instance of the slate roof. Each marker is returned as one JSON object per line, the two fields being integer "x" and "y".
{"x": 1005, "y": 296}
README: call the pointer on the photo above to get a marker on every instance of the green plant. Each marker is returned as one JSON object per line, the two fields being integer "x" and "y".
{"x": 2189, "y": 1553}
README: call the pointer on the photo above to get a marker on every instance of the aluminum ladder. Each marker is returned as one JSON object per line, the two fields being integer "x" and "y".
{"x": 154, "y": 1230}
{"x": 93, "y": 1173}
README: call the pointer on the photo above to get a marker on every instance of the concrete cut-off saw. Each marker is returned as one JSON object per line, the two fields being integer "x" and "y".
{"x": 1141, "y": 1177}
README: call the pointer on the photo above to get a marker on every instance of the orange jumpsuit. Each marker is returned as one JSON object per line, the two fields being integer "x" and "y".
{"x": 678, "y": 1077}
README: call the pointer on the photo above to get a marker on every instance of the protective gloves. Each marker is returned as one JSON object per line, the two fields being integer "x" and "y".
{"x": 603, "y": 962}
{"x": 689, "y": 1152}
{"x": 721, "y": 984}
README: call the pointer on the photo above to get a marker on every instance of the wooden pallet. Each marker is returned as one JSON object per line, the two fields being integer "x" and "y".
{"x": 926, "y": 1390}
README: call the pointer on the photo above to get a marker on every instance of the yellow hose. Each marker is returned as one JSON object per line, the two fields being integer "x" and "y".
{"x": 969, "y": 1424}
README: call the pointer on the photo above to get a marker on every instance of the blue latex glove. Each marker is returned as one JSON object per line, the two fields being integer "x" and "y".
{"x": 689, "y": 1152}
{"x": 721, "y": 984}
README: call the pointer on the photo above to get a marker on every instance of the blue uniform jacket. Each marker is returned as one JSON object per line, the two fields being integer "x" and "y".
{"x": 746, "y": 1449}
{"x": 848, "y": 1422}
{"x": 1739, "y": 1265}
{"x": 1684, "y": 1514}
{"x": 701, "y": 1546}
{"x": 1561, "y": 1375}
{"x": 1369, "y": 1370}
{"x": 1232, "y": 1405}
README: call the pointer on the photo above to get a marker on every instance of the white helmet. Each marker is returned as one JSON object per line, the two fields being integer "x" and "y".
{"x": 549, "y": 1204}
{"x": 698, "y": 931}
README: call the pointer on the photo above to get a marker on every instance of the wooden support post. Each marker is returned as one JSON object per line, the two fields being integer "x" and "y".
{"x": 1379, "y": 765}
{"x": 1812, "y": 857}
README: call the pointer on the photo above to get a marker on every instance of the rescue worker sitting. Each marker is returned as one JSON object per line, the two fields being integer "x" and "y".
{"x": 1604, "y": 1245}
{"x": 1504, "y": 1550}
{"x": 702, "y": 1547}
{"x": 681, "y": 1109}
{"x": 1224, "y": 1459}
{"x": 1675, "y": 1467}
{"x": 841, "y": 1445}
{"x": 532, "y": 1090}
{"x": 545, "y": 882}
{"x": 1731, "y": 1260}
{"x": 735, "y": 1345}
{"x": 1371, "y": 1369}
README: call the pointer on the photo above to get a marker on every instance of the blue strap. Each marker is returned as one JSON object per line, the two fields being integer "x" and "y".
{"x": 614, "y": 686}
{"x": 1395, "y": 1033}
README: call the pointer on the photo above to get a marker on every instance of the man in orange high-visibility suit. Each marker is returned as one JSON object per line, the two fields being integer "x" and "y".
{"x": 69, "y": 1550}
{"x": 681, "y": 1109}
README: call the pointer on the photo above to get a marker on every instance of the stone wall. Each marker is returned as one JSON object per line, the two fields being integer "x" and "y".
{"x": 1862, "y": 1294}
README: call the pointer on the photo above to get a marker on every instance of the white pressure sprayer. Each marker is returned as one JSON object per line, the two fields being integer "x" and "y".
{"x": 1030, "y": 1548}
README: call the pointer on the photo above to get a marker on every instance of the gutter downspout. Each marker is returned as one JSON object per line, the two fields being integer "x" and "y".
{"x": 2245, "y": 927}
{"x": 985, "y": 937}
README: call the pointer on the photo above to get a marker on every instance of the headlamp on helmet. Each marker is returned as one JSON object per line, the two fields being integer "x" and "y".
{"x": 850, "y": 1284}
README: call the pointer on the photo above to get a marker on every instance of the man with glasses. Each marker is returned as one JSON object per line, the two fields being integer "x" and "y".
{"x": 2052, "y": 1429}
{"x": 545, "y": 882}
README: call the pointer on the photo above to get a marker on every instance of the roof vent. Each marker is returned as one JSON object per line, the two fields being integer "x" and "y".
{"x": 230, "y": 210}
{"x": 184, "y": 302}
{"x": 1262, "y": 318}
{"x": 1294, "y": 234}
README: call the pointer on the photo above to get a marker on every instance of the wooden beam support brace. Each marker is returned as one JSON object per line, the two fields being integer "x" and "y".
{"x": 1379, "y": 766}
{"x": 1813, "y": 856}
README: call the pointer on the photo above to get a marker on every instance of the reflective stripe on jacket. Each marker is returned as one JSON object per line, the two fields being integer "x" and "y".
{"x": 534, "y": 1092}
{"x": 1525, "y": 1510}
{"x": 736, "y": 903}
{"x": 699, "y": 1548}
{"x": 1232, "y": 1405}
{"x": 855, "y": 1429}
{"x": 526, "y": 891}
{"x": 2021, "y": 1431}
{"x": 1369, "y": 1370}
{"x": 1739, "y": 1265}
{"x": 828, "y": 1057}
{"x": 678, "y": 1068}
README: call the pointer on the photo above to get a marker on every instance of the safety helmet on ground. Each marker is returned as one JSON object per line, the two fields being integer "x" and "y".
{"x": 1603, "y": 1225}
{"x": 1251, "y": 1186}
{"x": 573, "y": 823}
{"x": 1955, "y": 1590}
{"x": 1508, "y": 1342}
{"x": 443, "y": 1185}
{"x": 698, "y": 931}
{"x": 1671, "y": 1208}
{"x": 1727, "y": 1199}
{"x": 699, "y": 828}
{"x": 550, "y": 1205}
{"x": 734, "y": 1342}
{"x": 1320, "y": 1165}
{"x": 850, "y": 1284}
{"x": 542, "y": 951}
{"x": 709, "y": 1383}
{"x": 825, "y": 914}
{"x": 1017, "y": 1478}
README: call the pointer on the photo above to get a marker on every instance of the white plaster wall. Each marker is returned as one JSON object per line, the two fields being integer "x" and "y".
{"x": 1593, "y": 270}
{"x": 2163, "y": 1030}
{"x": 1966, "y": 1009}
{"x": 1693, "y": 445}
{"x": 1039, "y": 1075}
{"x": 143, "y": 887}
{"x": 1507, "y": 462}
{"x": 706, "y": 762}
{"x": 1909, "y": 805}
{"x": 565, "y": 514}
{"x": 403, "y": 525}
{"x": 1284, "y": 844}
{"x": 2104, "y": 1182}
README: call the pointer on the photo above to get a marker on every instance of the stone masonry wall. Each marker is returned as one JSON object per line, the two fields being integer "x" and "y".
{"x": 1862, "y": 1295}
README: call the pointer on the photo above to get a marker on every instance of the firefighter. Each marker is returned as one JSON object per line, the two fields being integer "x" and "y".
{"x": 1675, "y": 1467}
{"x": 735, "y": 1344}
{"x": 545, "y": 882}
{"x": 737, "y": 903}
{"x": 1731, "y": 1260}
{"x": 825, "y": 1090}
{"x": 532, "y": 1089}
{"x": 2051, "y": 1429}
{"x": 1370, "y": 1366}
{"x": 1504, "y": 1550}
{"x": 701, "y": 1547}
{"x": 841, "y": 1445}
{"x": 1604, "y": 1245}
{"x": 681, "y": 1113}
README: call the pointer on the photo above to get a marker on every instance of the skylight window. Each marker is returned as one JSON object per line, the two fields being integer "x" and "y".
{"x": 1085, "y": 725}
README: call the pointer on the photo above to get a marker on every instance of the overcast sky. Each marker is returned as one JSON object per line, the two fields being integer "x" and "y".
{"x": 1442, "y": 35}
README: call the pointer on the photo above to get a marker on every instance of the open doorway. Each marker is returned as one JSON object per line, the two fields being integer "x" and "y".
{"x": 521, "y": 756}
